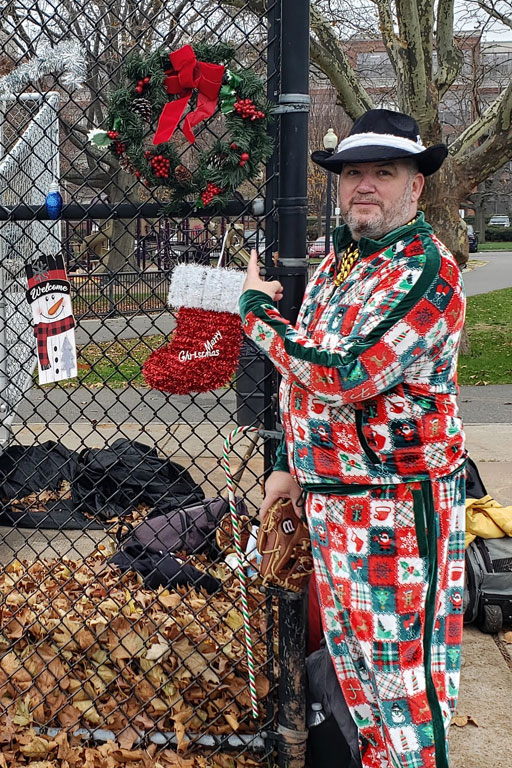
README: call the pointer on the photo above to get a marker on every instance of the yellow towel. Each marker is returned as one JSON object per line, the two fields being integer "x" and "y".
{"x": 487, "y": 518}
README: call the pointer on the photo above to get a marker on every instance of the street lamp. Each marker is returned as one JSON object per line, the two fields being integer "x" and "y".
{"x": 330, "y": 141}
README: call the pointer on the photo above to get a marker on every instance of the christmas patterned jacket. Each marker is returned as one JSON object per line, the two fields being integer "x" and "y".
{"x": 368, "y": 391}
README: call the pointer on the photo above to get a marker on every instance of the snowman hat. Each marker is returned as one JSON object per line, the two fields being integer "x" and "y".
{"x": 45, "y": 276}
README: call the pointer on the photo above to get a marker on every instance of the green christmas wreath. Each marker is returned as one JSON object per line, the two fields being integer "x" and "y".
{"x": 183, "y": 88}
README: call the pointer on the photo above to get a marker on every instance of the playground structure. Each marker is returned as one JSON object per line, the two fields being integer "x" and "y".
{"x": 158, "y": 244}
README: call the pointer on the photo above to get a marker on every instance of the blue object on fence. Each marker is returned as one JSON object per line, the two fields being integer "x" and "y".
{"x": 53, "y": 201}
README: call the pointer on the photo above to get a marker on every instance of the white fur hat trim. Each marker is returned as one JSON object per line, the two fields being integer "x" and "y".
{"x": 216, "y": 289}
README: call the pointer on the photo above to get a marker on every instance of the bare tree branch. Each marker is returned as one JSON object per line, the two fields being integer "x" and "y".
{"x": 491, "y": 154}
{"x": 449, "y": 57}
{"x": 98, "y": 158}
{"x": 412, "y": 71}
{"x": 479, "y": 129}
{"x": 386, "y": 26}
{"x": 327, "y": 53}
{"x": 492, "y": 11}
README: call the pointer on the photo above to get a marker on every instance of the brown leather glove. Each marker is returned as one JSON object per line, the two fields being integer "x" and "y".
{"x": 285, "y": 548}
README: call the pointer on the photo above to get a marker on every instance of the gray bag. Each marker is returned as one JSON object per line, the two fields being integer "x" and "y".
{"x": 488, "y": 585}
{"x": 185, "y": 529}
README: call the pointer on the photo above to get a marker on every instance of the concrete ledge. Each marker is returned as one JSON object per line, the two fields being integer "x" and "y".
{"x": 490, "y": 447}
{"x": 489, "y": 442}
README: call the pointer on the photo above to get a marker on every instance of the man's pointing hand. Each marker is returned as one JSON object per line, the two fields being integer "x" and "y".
{"x": 253, "y": 281}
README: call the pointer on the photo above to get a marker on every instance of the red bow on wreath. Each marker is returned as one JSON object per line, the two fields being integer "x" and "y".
{"x": 189, "y": 74}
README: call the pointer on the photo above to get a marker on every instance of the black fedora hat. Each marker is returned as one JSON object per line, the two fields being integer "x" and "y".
{"x": 381, "y": 134}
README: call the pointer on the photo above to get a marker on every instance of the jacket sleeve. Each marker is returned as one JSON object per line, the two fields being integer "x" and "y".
{"x": 281, "y": 460}
{"x": 406, "y": 317}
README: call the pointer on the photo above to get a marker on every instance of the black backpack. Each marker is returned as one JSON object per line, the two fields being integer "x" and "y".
{"x": 488, "y": 579}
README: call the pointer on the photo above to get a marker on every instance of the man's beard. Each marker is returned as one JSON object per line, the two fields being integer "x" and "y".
{"x": 375, "y": 226}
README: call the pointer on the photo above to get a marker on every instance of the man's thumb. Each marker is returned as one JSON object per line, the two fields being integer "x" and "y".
{"x": 253, "y": 267}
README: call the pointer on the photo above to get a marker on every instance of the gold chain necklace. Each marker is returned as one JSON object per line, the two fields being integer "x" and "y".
{"x": 349, "y": 258}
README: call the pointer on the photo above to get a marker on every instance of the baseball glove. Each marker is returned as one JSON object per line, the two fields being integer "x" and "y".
{"x": 285, "y": 548}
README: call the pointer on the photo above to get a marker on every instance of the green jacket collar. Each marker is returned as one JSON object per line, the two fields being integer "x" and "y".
{"x": 342, "y": 236}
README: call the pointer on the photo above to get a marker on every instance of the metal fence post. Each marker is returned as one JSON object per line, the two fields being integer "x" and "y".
{"x": 291, "y": 271}
{"x": 271, "y": 230}
{"x": 293, "y": 146}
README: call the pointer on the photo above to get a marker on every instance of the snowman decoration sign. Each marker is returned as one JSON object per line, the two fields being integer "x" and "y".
{"x": 49, "y": 296}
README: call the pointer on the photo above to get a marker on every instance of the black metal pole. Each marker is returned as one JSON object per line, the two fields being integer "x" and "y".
{"x": 293, "y": 148}
{"x": 292, "y": 271}
{"x": 328, "y": 207}
{"x": 291, "y": 727}
{"x": 124, "y": 210}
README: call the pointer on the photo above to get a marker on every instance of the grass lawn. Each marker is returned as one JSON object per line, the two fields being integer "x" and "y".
{"x": 505, "y": 246}
{"x": 489, "y": 324}
{"x": 115, "y": 363}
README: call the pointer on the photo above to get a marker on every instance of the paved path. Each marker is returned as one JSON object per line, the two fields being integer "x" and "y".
{"x": 486, "y": 405}
{"x": 496, "y": 274}
{"x": 478, "y": 405}
{"x": 113, "y": 328}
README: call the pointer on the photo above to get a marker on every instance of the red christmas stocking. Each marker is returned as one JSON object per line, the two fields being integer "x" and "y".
{"x": 205, "y": 346}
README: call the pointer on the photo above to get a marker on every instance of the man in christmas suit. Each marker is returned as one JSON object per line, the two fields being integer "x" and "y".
{"x": 374, "y": 442}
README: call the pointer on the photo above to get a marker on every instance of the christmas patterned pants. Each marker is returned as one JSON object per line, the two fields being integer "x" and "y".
{"x": 389, "y": 565}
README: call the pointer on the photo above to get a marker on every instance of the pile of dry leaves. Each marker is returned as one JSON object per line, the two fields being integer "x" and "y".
{"x": 41, "y": 501}
{"x": 83, "y": 646}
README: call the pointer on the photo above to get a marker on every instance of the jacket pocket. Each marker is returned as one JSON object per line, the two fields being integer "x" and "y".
{"x": 362, "y": 439}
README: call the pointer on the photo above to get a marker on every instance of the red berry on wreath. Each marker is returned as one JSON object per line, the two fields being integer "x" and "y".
{"x": 139, "y": 89}
{"x": 112, "y": 134}
{"x": 210, "y": 192}
{"x": 234, "y": 146}
{"x": 244, "y": 156}
{"x": 146, "y": 79}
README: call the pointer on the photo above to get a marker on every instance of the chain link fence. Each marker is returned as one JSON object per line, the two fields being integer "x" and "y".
{"x": 123, "y": 632}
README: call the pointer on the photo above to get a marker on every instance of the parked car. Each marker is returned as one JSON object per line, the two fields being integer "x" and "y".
{"x": 472, "y": 239}
{"x": 499, "y": 220}
{"x": 317, "y": 249}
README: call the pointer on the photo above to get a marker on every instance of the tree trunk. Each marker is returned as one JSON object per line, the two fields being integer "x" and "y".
{"x": 465, "y": 346}
{"x": 479, "y": 224}
{"x": 121, "y": 255}
{"x": 440, "y": 202}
